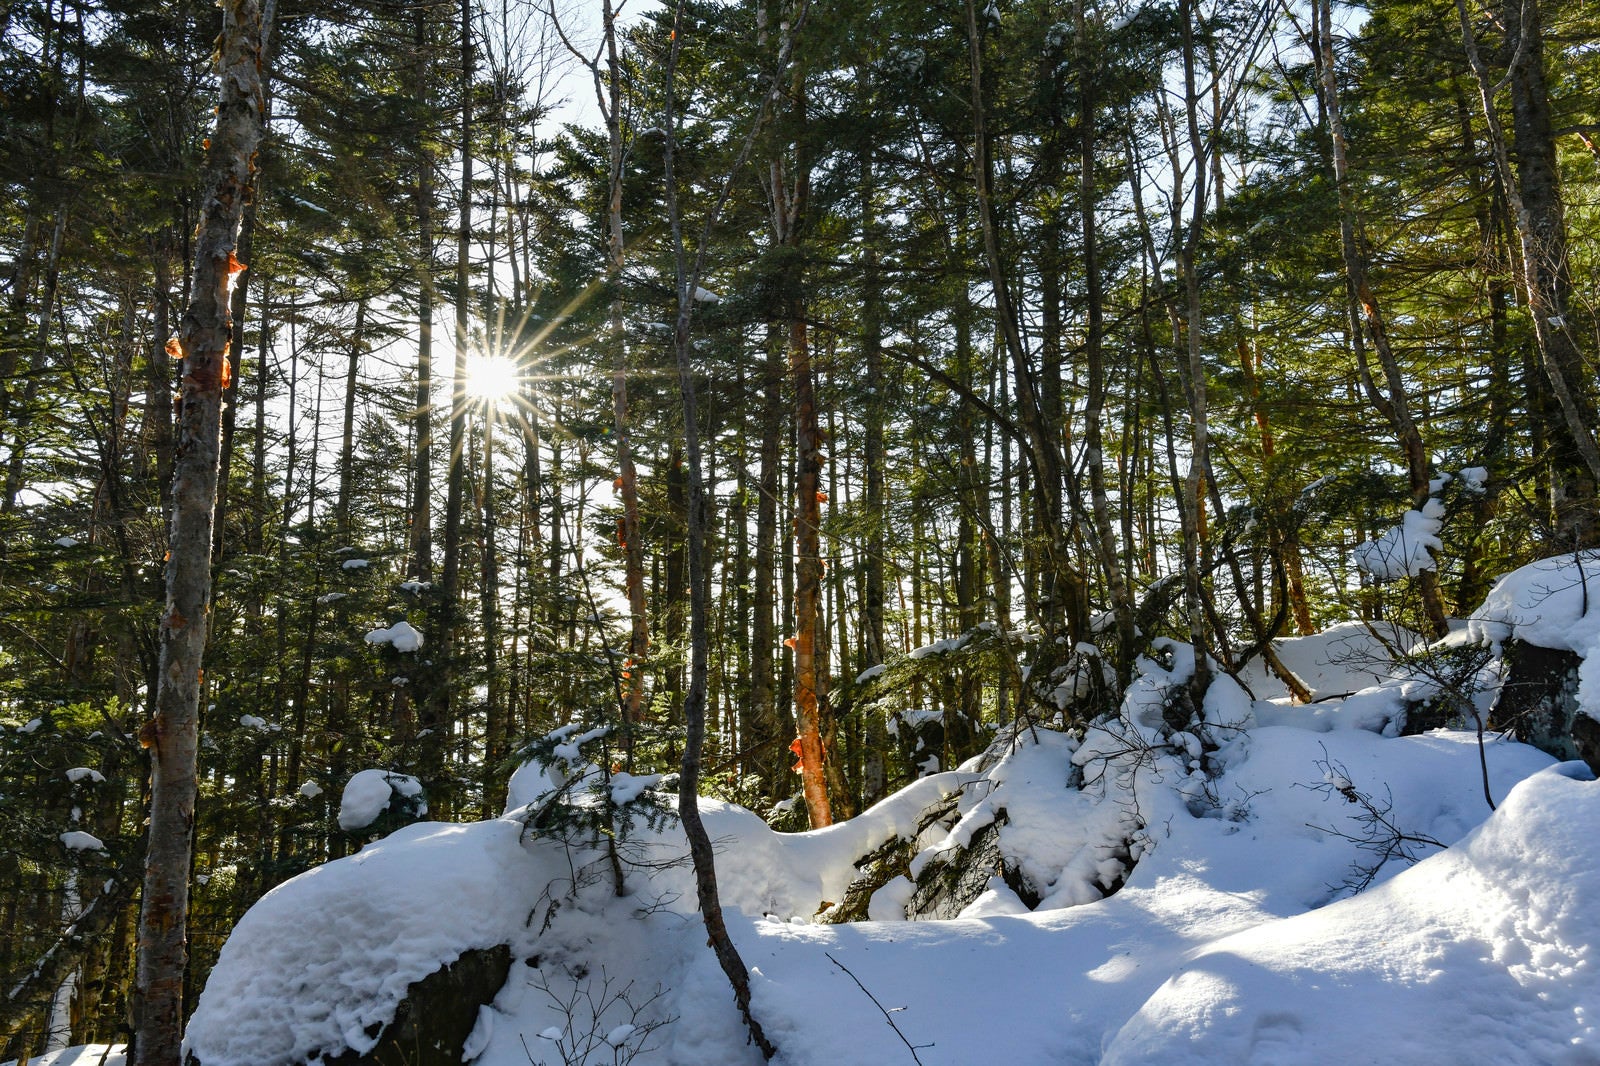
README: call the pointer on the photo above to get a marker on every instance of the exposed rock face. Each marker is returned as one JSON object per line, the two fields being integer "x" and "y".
{"x": 1539, "y": 701}
{"x": 954, "y": 879}
{"x": 434, "y": 1020}
{"x": 890, "y": 861}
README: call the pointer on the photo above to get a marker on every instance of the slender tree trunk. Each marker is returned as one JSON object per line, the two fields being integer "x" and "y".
{"x": 442, "y": 700}
{"x": 1064, "y": 587}
{"x": 1094, "y": 358}
{"x": 22, "y": 413}
{"x": 767, "y": 734}
{"x": 347, "y": 445}
{"x": 1534, "y": 198}
{"x": 172, "y": 736}
{"x": 1194, "y": 325}
{"x": 627, "y": 475}
{"x": 421, "y": 562}
{"x": 686, "y": 279}
{"x": 789, "y": 194}
{"x": 875, "y": 781}
{"x": 1366, "y": 312}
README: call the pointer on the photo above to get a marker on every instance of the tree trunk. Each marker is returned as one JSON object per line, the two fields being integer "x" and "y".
{"x": 421, "y": 562}
{"x": 1534, "y": 197}
{"x": 875, "y": 781}
{"x": 347, "y": 444}
{"x": 789, "y": 195}
{"x": 1365, "y": 312}
{"x": 1094, "y": 357}
{"x": 172, "y": 736}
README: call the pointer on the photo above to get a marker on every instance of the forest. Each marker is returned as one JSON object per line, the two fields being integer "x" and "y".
{"x": 787, "y": 398}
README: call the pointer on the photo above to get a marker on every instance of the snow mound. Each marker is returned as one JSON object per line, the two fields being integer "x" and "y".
{"x": 1166, "y": 888}
{"x": 1336, "y": 662}
{"x": 322, "y": 961}
{"x": 1488, "y": 946}
{"x": 1549, "y": 603}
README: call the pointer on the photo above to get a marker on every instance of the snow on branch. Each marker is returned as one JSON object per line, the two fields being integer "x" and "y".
{"x": 1407, "y": 549}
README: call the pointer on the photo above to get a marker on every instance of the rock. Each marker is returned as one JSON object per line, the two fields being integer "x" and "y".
{"x": 877, "y": 869}
{"x": 433, "y": 1022}
{"x": 1539, "y": 702}
{"x": 954, "y": 879}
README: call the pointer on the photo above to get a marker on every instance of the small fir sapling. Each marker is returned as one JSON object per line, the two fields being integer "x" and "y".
{"x": 567, "y": 787}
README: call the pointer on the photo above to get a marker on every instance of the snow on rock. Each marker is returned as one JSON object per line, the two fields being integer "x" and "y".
{"x": 368, "y": 794}
{"x": 1407, "y": 549}
{"x": 1550, "y": 603}
{"x": 401, "y": 636}
{"x": 321, "y": 962}
{"x": 1089, "y": 969}
{"x": 78, "y": 840}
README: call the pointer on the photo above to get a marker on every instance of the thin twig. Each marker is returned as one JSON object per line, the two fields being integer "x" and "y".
{"x": 887, "y": 1015}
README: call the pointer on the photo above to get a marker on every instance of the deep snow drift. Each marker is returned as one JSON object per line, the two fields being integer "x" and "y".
{"x": 1308, "y": 891}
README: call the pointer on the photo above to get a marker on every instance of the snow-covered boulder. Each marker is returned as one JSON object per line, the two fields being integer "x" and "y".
{"x": 1544, "y": 620}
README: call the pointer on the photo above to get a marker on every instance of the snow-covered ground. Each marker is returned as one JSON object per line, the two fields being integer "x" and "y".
{"x": 1306, "y": 891}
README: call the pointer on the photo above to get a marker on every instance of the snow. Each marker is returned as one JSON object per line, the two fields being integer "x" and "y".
{"x": 1550, "y": 603}
{"x": 82, "y": 1055}
{"x": 367, "y": 795}
{"x": 400, "y": 635}
{"x": 78, "y": 840}
{"x": 1491, "y": 942}
{"x": 311, "y": 790}
{"x": 322, "y": 957}
{"x": 1406, "y": 549}
{"x": 354, "y": 564}
{"x": 79, "y": 774}
{"x": 1339, "y": 661}
{"x": 939, "y": 647}
{"x": 65, "y": 542}
{"x": 1216, "y": 893}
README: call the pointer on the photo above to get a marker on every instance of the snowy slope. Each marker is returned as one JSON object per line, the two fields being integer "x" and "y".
{"x": 1237, "y": 936}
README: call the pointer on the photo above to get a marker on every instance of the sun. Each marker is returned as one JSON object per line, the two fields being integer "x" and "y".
{"x": 492, "y": 379}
